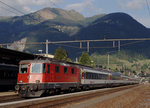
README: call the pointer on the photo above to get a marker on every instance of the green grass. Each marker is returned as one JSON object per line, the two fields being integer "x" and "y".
{"x": 123, "y": 62}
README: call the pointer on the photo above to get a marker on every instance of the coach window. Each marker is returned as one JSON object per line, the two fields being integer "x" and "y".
{"x": 72, "y": 71}
{"x": 57, "y": 69}
{"x": 99, "y": 77}
{"x": 96, "y": 76}
{"x": 103, "y": 76}
{"x": 84, "y": 75}
{"x": 88, "y": 75}
{"x": 48, "y": 66}
{"x": 107, "y": 77}
{"x": 65, "y": 69}
{"x": 44, "y": 68}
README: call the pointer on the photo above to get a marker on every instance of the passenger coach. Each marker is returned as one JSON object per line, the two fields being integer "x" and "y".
{"x": 8, "y": 76}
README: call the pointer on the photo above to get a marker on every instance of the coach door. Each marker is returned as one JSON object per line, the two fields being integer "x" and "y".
{"x": 49, "y": 73}
{"x": 46, "y": 73}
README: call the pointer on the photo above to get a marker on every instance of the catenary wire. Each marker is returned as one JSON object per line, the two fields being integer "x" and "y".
{"x": 148, "y": 6}
{"x": 12, "y": 7}
{"x": 129, "y": 43}
{"x": 8, "y": 10}
{"x": 16, "y": 10}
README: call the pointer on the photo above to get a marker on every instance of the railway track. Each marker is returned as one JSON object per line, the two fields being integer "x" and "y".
{"x": 10, "y": 98}
{"x": 65, "y": 99}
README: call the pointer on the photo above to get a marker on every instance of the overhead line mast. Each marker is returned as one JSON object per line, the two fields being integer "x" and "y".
{"x": 86, "y": 41}
{"x": 78, "y": 41}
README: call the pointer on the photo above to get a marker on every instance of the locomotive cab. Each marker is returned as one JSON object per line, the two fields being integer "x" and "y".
{"x": 30, "y": 78}
{"x": 30, "y": 73}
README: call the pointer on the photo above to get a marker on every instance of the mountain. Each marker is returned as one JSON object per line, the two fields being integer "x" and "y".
{"x": 89, "y": 20}
{"x": 16, "y": 28}
{"x": 54, "y": 14}
{"x": 4, "y": 17}
{"x": 113, "y": 26}
{"x": 57, "y": 25}
{"x": 49, "y": 23}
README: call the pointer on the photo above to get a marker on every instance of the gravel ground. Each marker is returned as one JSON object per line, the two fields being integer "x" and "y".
{"x": 138, "y": 97}
{"x": 7, "y": 93}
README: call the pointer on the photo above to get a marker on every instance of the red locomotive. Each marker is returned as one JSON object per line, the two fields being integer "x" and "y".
{"x": 37, "y": 77}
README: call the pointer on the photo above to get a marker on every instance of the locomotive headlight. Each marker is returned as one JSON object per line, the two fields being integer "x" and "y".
{"x": 20, "y": 81}
{"x": 22, "y": 88}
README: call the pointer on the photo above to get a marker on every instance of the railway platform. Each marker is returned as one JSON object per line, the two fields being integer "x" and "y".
{"x": 7, "y": 93}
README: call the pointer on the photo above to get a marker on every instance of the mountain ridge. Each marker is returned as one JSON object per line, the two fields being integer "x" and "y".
{"x": 57, "y": 24}
{"x": 110, "y": 25}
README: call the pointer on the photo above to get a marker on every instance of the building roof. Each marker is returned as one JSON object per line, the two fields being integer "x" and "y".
{"x": 14, "y": 57}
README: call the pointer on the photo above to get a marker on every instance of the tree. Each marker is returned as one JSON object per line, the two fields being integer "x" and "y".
{"x": 61, "y": 54}
{"x": 86, "y": 60}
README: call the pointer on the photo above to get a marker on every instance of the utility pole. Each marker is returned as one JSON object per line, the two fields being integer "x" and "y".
{"x": 80, "y": 45}
{"x": 88, "y": 45}
{"x": 47, "y": 48}
{"x": 108, "y": 61}
{"x": 113, "y": 44}
{"x": 119, "y": 46}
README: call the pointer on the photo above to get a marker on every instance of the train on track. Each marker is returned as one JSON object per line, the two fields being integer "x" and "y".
{"x": 8, "y": 76}
{"x": 42, "y": 76}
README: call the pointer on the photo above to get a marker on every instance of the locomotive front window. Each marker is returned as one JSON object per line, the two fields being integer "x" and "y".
{"x": 23, "y": 68}
{"x": 36, "y": 68}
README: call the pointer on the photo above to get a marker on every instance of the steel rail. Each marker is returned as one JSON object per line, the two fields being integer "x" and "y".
{"x": 64, "y": 99}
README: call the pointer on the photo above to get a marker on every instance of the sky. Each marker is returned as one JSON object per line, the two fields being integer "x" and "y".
{"x": 138, "y": 9}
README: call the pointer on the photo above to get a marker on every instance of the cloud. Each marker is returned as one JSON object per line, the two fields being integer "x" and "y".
{"x": 144, "y": 20}
{"x": 27, "y": 9}
{"x": 26, "y": 6}
{"x": 86, "y": 5}
{"x": 81, "y": 6}
{"x": 135, "y": 4}
{"x": 132, "y": 4}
